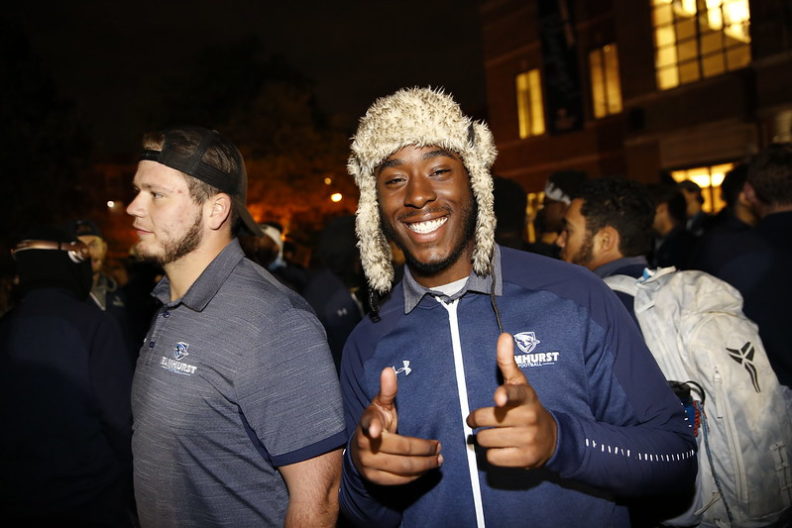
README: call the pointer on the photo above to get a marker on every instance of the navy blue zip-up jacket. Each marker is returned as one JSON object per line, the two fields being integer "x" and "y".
{"x": 621, "y": 431}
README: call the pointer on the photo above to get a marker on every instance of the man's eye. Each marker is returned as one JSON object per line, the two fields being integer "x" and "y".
{"x": 439, "y": 172}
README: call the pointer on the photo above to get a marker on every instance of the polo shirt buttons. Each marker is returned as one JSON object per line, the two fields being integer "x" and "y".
{"x": 151, "y": 344}
{"x": 165, "y": 314}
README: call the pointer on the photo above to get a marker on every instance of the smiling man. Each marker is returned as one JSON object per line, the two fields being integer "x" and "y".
{"x": 491, "y": 386}
{"x": 235, "y": 399}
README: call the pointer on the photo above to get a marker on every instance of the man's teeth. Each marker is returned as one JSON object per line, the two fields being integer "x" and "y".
{"x": 428, "y": 226}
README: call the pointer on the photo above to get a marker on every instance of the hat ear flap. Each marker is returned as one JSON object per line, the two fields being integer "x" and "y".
{"x": 484, "y": 144}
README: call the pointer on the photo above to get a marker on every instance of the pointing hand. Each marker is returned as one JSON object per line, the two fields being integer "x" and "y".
{"x": 381, "y": 454}
{"x": 519, "y": 431}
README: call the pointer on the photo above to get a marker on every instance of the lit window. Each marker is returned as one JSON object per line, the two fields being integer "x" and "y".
{"x": 530, "y": 109}
{"x": 709, "y": 179}
{"x": 605, "y": 85}
{"x": 699, "y": 38}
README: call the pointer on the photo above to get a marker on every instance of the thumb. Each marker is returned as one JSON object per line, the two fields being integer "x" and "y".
{"x": 512, "y": 375}
{"x": 375, "y": 418}
{"x": 388, "y": 388}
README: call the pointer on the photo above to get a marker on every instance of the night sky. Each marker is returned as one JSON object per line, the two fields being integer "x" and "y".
{"x": 106, "y": 55}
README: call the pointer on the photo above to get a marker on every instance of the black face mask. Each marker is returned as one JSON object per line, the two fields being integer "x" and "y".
{"x": 53, "y": 268}
{"x": 44, "y": 268}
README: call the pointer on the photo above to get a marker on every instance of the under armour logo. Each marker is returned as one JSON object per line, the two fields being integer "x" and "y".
{"x": 744, "y": 356}
{"x": 406, "y": 368}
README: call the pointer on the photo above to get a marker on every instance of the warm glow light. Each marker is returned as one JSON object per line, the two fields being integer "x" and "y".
{"x": 685, "y": 7}
{"x": 328, "y": 181}
{"x": 110, "y": 204}
{"x": 336, "y": 197}
{"x": 530, "y": 108}
{"x": 709, "y": 179}
{"x": 605, "y": 84}
{"x": 695, "y": 39}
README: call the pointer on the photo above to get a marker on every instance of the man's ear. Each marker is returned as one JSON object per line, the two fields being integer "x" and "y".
{"x": 606, "y": 240}
{"x": 217, "y": 210}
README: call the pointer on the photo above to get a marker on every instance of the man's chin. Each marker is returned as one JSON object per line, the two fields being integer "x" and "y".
{"x": 146, "y": 254}
{"x": 429, "y": 266}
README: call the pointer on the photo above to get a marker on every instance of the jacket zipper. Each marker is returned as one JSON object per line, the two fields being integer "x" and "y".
{"x": 464, "y": 408}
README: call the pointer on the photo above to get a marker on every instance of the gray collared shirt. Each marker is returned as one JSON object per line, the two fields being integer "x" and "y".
{"x": 234, "y": 380}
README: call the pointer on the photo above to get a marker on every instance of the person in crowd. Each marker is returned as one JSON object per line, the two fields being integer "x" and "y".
{"x": 489, "y": 386}
{"x": 544, "y": 243}
{"x": 759, "y": 261}
{"x": 673, "y": 244}
{"x": 736, "y": 217}
{"x": 236, "y": 404}
{"x": 266, "y": 249}
{"x": 608, "y": 230}
{"x": 336, "y": 288}
{"x": 65, "y": 414}
{"x": 106, "y": 292}
{"x": 738, "y": 213}
{"x": 697, "y": 221}
{"x": 559, "y": 191}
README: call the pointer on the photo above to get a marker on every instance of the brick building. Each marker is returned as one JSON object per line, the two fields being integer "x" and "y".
{"x": 635, "y": 88}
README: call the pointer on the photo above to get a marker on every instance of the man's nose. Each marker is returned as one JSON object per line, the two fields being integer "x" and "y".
{"x": 133, "y": 209}
{"x": 420, "y": 191}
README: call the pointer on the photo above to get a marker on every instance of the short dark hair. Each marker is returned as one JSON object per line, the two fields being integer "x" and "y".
{"x": 624, "y": 205}
{"x": 693, "y": 187}
{"x": 770, "y": 174}
{"x": 672, "y": 196}
{"x": 733, "y": 183}
{"x": 569, "y": 181}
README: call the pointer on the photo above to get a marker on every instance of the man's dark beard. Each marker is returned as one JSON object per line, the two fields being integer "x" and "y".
{"x": 586, "y": 252}
{"x": 429, "y": 269}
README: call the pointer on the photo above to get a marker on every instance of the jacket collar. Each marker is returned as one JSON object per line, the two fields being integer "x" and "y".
{"x": 414, "y": 292}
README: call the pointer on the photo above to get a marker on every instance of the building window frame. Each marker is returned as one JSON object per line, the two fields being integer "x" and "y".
{"x": 606, "y": 97}
{"x": 697, "y": 39}
{"x": 530, "y": 104}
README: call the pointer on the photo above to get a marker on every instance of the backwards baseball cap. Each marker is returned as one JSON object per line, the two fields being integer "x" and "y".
{"x": 206, "y": 155}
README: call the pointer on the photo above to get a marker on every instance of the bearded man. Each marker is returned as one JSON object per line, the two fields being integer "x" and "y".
{"x": 235, "y": 398}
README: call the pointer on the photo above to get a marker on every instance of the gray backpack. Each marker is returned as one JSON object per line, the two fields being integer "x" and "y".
{"x": 694, "y": 326}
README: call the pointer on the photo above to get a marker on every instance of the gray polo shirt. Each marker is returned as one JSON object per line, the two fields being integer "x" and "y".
{"x": 233, "y": 380}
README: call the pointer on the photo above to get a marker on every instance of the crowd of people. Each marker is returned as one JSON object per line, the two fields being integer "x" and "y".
{"x": 434, "y": 368}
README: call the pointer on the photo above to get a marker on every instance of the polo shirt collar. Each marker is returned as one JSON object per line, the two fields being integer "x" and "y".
{"x": 208, "y": 283}
{"x": 414, "y": 292}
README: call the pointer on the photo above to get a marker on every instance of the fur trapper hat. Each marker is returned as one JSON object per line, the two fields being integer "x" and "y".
{"x": 419, "y": 117}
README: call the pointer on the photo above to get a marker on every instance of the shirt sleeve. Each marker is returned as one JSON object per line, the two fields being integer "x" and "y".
{"x": 288, "y": 390}
{"x": 639, "y": 441}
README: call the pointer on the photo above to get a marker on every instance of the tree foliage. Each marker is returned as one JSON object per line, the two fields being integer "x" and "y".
{"x": 269, "y": 110}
